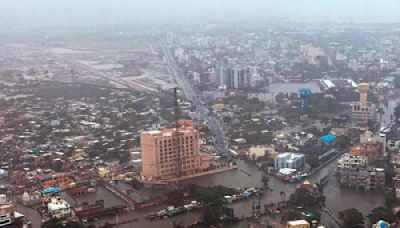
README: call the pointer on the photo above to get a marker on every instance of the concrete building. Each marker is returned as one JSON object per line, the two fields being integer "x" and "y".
{"x": 256, "y": 152}
{"x": 393, "y": 137}
{"x": 298, "y": 224}
{"x": 6, "y": 211}
{"x": 370, "y": 147}
{"x": 172, "y": 152}
{"x": 196, "y": 78}
{"x": 395, "y": 160}
{"x": 348, "y": 161}
{"x": 362, "y": 111}
{"x": 58, "y": 208}
{"x": 289, "y": 160}
{"x": 233, "y": 78}
{"x": 266, "y": 97}
{"x": 311, "y": 53}
{"x": 365, "y": 179}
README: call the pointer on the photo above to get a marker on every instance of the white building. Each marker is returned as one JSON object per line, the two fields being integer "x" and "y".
{"x": 289, "y": 160}
{"x": 348, "y": 161}
{"x": 298, "y": 224}
{"x": 268, "y": 98}
{"x": 6, "y": 211}
{"x": 58, "y": 208}
{"x": 196, "y": 77}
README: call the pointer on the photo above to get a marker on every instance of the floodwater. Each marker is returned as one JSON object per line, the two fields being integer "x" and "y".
{"x": 337, "y": 199}
{"x": 293, "y": 87}
{"x": 246, "y": 175}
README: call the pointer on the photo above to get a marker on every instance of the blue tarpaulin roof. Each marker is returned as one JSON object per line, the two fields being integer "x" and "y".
{"x": 50, "y": 190}
{"x": 328, "y": 138}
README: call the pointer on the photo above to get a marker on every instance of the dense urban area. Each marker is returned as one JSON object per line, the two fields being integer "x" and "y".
{"x": 269, "y": 126}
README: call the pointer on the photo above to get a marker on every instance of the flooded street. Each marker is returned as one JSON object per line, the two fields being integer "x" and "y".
{"x": 337, "y": 198}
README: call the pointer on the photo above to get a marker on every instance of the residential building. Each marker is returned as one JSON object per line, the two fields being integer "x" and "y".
{"x": 171, "y": 152}
{"x": 58, "y": 208}
{"x": 266, "y": 97}
{"x": 370, "y": 146}
{"x": 196, "y": 77}
{"x": 364, "y": 179}
{"x": 298, "y": 224}
{"x": 395, "y": 160}
{"x": 393, "y": 137}
{"x": 233, "y": 78}
{"x": 348, "y": 161}
{"x": 6, "y": 211}
{"x": 289, "y": 160}
{"x": 256, "y": 152}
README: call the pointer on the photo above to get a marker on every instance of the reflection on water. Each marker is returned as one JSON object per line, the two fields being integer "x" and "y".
{"x": 337, "y": 198}
{"x": 293, "y": 87}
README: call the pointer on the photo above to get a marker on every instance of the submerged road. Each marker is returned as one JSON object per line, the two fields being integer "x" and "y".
{"x": 213, "y": 123}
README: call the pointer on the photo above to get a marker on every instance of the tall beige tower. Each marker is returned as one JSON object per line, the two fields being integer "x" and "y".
{"x": 163, "y": 150}
{"x": 363, "y": 89}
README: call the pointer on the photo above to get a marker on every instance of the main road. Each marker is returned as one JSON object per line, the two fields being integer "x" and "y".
{"x": 213, "y": 123}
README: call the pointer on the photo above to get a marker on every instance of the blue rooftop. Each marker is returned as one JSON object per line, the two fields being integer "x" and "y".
{"x": 51, "y": 190}
{"x": 328, "y": 138}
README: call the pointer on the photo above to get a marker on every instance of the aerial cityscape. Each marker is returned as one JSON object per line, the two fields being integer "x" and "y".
{"x": 199, "y": 120}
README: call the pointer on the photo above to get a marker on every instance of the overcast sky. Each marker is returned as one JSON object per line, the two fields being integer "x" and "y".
{"x": 125, "y": 12}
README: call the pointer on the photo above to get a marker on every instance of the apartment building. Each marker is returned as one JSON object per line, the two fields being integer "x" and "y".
{"x": 6, "y": 211}
{"x": 58, "y": 208}
{"x": 348, "y": 161}
{"x": 366, "y": 179}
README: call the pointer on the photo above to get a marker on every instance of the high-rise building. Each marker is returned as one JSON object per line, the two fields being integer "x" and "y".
{"x": 171, "y": 153}
{"x": 363, "y": 111}
{"x": 196, "y": 77}
{"x": 239, "y": 78}
{"x": 171, "y": 37}
{"x": 233, "y": 78}
{"x": 363, "y": 89}
{"x": 222, "y": 76}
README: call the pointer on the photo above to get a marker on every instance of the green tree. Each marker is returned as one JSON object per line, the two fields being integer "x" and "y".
{"x": 74, "y": 224}
{"x": 342, "y": 142}
{"x": 390, "y": 199}
{"x": 351, "y": 218}
{"x": 52, "y": 223}
{"x": 56, "y": 223}
{"x": 312, "y": 160}
{"x": 107, "y": 225}
{"x": 212, "y": 215}
{"x": 381, "y": 213}
{"x": 265, "y": 180}
{"x": 306, "y": 197}
{"x": 226, "y": 119}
